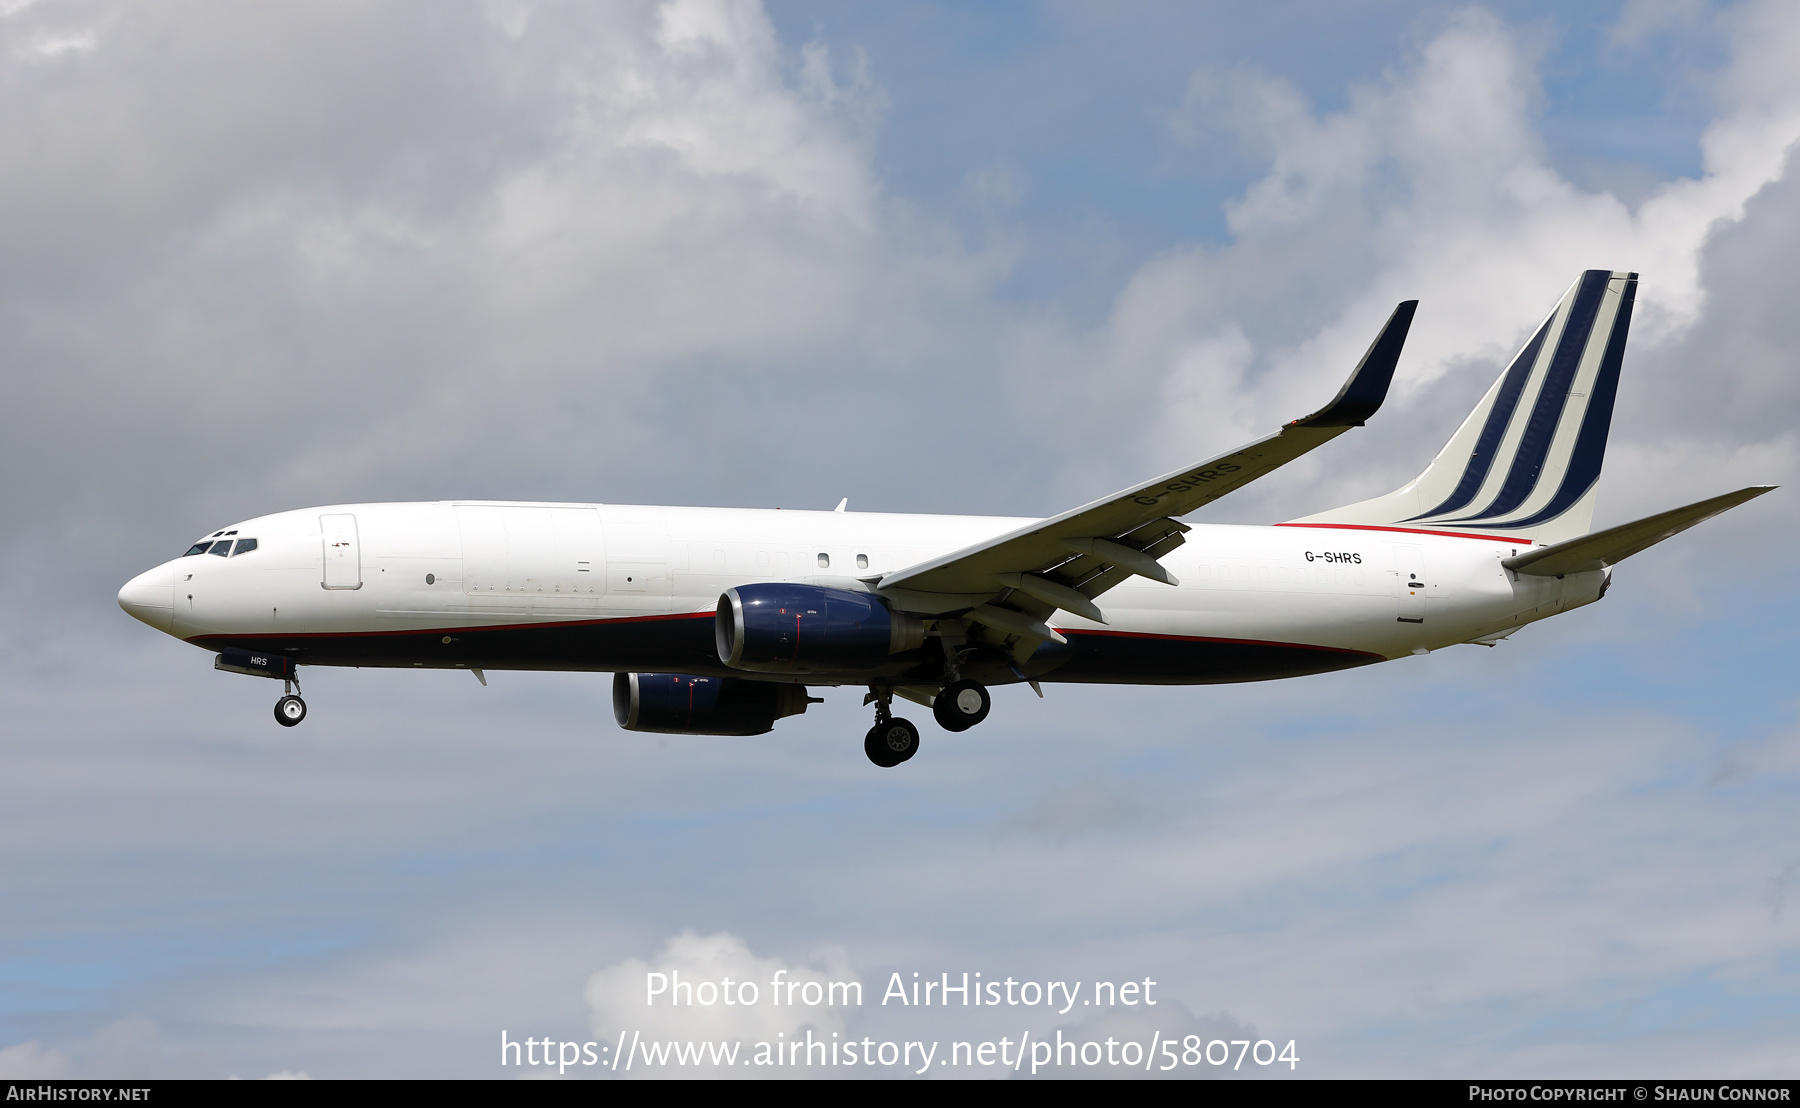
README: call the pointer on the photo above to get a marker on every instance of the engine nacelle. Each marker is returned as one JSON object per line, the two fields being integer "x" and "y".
{"x": 783, "y": 628}
{"x": 682, "y": 704}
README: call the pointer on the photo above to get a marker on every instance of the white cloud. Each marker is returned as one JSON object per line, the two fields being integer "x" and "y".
{"x": 1433, "y": 183}
{"x": 132, "y": 1047}
{"x": 765, "y": 1002}
{"x": 57, "y": 46}
{"x": 509, "y": 251}
{"x": 32, "y": 1060}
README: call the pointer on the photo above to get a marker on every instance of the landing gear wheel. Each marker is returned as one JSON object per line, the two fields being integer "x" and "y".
{"x": 888, "y": 744}
{"x": 961, "y": 705}
{"x": 290, "y": 710}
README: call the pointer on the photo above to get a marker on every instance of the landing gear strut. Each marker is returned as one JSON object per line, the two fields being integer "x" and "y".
{"x": 892, "y": 740}
{"x": 290, "y": 709}
{"x": 961, "y": 705}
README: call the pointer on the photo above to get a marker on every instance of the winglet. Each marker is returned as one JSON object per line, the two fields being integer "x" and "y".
{"x": 1367, "y": 387}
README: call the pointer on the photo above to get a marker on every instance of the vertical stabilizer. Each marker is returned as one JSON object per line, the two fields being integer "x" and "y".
{"x": 1526, "y": 461}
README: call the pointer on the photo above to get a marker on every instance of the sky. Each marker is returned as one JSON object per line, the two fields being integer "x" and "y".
{"x": 995, "y": 259}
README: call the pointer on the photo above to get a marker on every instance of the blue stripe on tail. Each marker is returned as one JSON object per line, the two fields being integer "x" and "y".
{"x": 1481, "y": 459}
{"x": 1596, "y": 423}
{"x": 1553, "y": 396}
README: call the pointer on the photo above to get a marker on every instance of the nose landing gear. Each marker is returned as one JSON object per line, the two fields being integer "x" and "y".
{"x": 892, "y": 740}
{"x": 290, "y": 709}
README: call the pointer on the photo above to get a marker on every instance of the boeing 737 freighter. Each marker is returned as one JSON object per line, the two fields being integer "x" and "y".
{"x": 714, "y": 621}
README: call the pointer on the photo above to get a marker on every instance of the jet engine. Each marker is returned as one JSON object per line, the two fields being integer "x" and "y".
{"x": 782, "y": 628}
{"x": 682, "y": 704}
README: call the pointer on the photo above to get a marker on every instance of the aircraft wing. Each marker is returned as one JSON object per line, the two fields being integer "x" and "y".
{"x": 1067, "y": 560}
{"x": 1615, "y": 544}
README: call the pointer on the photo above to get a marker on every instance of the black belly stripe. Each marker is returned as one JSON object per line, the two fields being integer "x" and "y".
{"x": 684, "y": 644}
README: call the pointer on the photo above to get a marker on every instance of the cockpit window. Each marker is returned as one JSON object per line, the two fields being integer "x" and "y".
{"x": 222, "y": 548}
{"x": 244, "y": 546}
{"x": 198, "y": 548}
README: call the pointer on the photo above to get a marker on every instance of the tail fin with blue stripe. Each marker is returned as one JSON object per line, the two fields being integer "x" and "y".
{"x": 1526, "y": 461}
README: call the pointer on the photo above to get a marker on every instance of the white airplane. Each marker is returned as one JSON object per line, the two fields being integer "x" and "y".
{"x": 715, "y": 620}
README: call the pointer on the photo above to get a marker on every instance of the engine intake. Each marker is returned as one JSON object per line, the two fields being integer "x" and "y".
{"x": 682, "y": 704}
{"x": 782, "y": 628}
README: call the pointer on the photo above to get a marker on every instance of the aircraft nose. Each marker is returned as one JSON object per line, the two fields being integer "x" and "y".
{"x": 150, "y": 597}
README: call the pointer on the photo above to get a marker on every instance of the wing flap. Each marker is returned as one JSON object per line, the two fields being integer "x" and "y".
{"x": 1615, "y": 544}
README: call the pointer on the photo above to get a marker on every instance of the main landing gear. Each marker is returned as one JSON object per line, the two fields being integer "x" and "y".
{"x": 290, "y": 709}
{"x": 892, "y": 740}
{"x": 961, "y": 705}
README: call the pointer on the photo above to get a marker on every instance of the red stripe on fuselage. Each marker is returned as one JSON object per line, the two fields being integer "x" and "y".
{"x": 199, "y": 639}
{"x": 1232, "y": 642}
{"x": 1513, "y": 541}
{"x": 445, "y": 630}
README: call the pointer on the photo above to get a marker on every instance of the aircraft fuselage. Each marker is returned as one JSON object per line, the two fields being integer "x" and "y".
{"x": 585, "y": 587}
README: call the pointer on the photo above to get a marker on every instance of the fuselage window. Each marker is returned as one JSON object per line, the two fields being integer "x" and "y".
{"x": 222, "y": 548}
{"x": 824, "y": 560}
{"x": 862, "y": 561}
{"x": 244, "y": 546}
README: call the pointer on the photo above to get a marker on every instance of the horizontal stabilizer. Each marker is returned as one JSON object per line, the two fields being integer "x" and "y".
{"x": 1615, "y": 544}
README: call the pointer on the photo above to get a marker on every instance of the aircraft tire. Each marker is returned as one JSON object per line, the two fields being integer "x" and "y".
{"x": 289, "y": 711}
{"x": 889, "y": 744}
{"x": 961, "y": 705}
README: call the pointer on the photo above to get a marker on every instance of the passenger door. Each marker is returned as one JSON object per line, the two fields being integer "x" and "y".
{"x": 343, "y": 558}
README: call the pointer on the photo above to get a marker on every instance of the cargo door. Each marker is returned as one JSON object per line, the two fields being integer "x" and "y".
{"x": 637, "y": 554}
{"x": 554, "y": 555}
{"x": 549, "y": 556}
{"x": 343, "y": 558}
